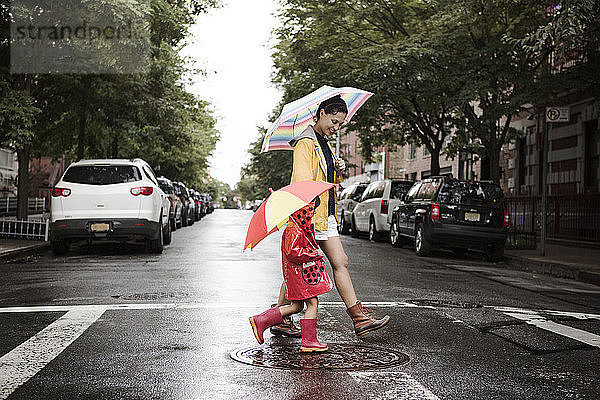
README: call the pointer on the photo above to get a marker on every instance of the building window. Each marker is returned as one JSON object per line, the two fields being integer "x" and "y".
{"x": 412, "y": 151}
{"x": 564, "y": 143}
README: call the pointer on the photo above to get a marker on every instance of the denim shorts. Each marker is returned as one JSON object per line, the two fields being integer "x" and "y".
{"x": 332, "y": 229}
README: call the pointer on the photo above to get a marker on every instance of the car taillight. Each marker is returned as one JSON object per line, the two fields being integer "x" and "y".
{"x": 384, "y": 206}
{"x": 57, "y": 192}
{"x": 435, "y": 211}
{"x": 143, "y": 190}
{"x": 506, "y": 218}
{"x": 170, "y": 201}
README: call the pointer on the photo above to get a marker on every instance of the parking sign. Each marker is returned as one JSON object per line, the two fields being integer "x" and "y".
{"x": 557, "y": 114}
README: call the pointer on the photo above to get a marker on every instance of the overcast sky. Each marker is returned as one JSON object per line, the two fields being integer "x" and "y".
{"x": 232, "y": 44}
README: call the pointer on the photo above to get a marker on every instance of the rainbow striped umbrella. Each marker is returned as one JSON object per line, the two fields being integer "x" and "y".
{"x": 298, "y": 114}
{"x": 274, "y": 212}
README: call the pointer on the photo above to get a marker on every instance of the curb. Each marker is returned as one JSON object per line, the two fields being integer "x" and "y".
{"x": 552, "y": 268}
{"x": 23, "y": 252}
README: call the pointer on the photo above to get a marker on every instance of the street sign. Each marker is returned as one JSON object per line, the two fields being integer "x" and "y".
{"x": 557, "y": 114}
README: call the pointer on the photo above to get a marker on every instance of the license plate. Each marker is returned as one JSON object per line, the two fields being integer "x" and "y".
{"x": 472, "y": 217}
{"x": 100, "y": 227}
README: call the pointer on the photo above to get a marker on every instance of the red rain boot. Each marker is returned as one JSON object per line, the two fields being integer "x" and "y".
{"x": 263, "y": 321}
{"x": 310, "y": 342}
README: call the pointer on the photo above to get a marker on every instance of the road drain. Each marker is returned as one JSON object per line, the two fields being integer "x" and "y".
{"x": 444, "y": 303}
{"x": 150, "y": 296}
{"x": 339, "y": 357}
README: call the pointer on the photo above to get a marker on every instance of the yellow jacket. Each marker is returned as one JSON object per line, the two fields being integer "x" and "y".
{"x": 310, "y": 165}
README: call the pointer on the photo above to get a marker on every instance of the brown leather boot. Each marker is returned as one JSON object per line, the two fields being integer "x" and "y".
{"x": 363, "y": 319}
{"x": 286, "y": 328}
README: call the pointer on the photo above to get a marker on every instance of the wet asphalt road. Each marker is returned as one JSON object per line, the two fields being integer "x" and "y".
{"x": 163, "y": 326}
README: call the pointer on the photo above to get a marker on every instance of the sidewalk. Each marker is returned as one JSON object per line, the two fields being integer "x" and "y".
{"x": 15, "y": 248}
{"x": 564, "y": 261}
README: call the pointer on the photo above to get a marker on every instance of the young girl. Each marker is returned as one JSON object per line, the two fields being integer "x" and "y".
{"x": 314, "y": 160}
{"x": 305, "y": 277}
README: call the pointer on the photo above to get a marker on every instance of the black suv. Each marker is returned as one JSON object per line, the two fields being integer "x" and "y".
{"x": 451, "y": 213}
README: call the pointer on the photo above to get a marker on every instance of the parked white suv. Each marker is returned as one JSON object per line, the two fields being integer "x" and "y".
{"x": 372, "y": 214}
{"x": 109, "y": 199}
{"x": 349, "y": 198}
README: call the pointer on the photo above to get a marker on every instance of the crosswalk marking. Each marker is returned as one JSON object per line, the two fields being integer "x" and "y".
{"x": 403, "y": 387}
{"x": 541, "y": 322}
{"x": 29, "y": 358}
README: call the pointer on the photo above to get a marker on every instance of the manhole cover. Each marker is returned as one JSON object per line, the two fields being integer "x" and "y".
{"x": 444, "y": 303}
{"x": 339, "y": 357}
{"x": 150, "y": 296}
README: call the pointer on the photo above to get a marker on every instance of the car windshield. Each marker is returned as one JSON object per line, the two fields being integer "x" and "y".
{"x": 359, "y": 191}
{"x": 472, "y": 193}
{"x": 102, "y": 174}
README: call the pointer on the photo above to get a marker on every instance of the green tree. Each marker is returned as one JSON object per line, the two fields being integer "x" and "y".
{"x": 497, "y": 81}
{"x": 382, "y": 46}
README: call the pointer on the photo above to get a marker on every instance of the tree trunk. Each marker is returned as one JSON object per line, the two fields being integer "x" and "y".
{"x": 23, "y": 185}
{"x": 494, "y": 159}
{"x": 81, "y": 136}
{"x": 434, "y": 165}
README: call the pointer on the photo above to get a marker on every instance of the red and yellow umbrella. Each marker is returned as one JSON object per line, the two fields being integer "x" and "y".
{"x": 274, "y": 212}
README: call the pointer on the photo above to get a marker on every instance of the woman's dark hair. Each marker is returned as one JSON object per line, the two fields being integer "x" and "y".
{"x": 332, "y": 105}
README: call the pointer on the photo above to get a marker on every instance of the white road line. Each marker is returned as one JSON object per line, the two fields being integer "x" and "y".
{"x": 26, "y": 360}
{"x": 550, "y": 312}
{"x": 157, "y": 306}
{"x": 564, "y": 330}
{"x": 403, "y": 386}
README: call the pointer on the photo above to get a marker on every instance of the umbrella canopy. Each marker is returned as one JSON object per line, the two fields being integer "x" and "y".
{"x": 298, "y": 114}
{"x": 274, "y": 212}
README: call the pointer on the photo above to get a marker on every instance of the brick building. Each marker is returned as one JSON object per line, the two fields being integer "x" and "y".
{"x": 573, "y": 154}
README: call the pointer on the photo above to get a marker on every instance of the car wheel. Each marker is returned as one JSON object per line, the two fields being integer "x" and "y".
{"x": 59, "y": 247}
{"x": 173, "y": 224}
{"x": 354, "y": 231}
{"x": 422, "y": 246}
{"x": 395, "y": 238}
{"x": 192, "y": 219}
{"x": 156, "y": 245}
{"x": 372, "y": 230}
{"x": 184, "y": 219}
{"x": 495, "y": 253}
{"x": 167, "y": 235}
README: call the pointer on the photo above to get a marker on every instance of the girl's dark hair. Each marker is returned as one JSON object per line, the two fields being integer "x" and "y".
{"x": 332, "y": 105}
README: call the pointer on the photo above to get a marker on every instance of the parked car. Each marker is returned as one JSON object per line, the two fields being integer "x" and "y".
{"x": 187, "y": 215}
{"x": 349, "y": 198}
{"x": 198, "y": 214}
{"x": 109, "y": 199}
{"x": 176, "y": 206}
{"x": 452, "y": 213}
{"x": 378, "y": 199}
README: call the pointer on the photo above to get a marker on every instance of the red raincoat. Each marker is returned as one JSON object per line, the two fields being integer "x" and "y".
{"x": 304, "y": 270}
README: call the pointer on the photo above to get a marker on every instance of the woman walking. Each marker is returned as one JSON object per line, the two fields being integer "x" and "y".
{"x": 313, "y": 159}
